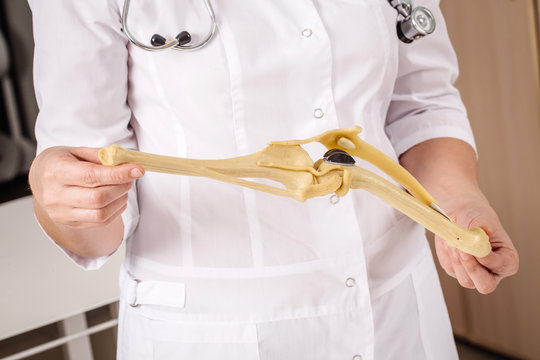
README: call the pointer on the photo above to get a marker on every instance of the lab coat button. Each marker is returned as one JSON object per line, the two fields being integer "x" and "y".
{"x": 307, "y": 33}
{"x": 357, "y": 357}
{"x": 318, "y": 113}
{"x": 350, "y": 282}
{"x": 334, "y": 199}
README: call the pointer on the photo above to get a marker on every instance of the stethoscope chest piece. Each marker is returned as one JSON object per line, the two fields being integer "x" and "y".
{"x": 412, "y": 23}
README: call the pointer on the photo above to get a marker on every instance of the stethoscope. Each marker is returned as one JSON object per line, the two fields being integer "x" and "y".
{"x": 412, "y": 24}
{"x": 181, "y": 40}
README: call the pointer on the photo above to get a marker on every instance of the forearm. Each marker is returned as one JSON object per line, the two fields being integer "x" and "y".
{"x": 443, "y": 166}
{"x": 88, "y": 242}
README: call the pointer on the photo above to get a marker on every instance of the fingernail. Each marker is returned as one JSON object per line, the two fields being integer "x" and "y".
{"x": 136, "y": 173}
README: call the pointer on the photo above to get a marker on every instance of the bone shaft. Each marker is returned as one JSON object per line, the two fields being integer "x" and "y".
{"x": 173, "y": 165}
{"x": 473, "y": 241}
{"x": 394, "y": 170}
{"x": 226, "y": 170}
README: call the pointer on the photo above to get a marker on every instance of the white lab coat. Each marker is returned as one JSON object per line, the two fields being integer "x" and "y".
{"x": 230, "y": 273}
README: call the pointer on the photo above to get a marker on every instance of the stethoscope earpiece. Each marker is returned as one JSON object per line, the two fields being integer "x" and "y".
{"x": 158, "y": 42}
{"x": 182, "y": 38}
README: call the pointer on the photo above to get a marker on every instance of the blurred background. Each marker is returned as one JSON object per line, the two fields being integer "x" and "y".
{"x": 49, "y": 309}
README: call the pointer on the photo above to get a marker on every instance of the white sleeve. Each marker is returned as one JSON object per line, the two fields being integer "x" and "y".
{"x": 425, "y": 104}
{"x": 81, "y": 84}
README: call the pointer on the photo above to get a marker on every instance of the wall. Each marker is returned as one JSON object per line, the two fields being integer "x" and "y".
{"x": 496, "y": 43}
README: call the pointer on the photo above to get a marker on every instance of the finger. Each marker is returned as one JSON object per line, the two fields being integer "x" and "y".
{"x": 98, "y": 216}
{"x": 503, "y": 261}
{"x": 86, "y": 154}
{"x": 484, "y": 281}
{"x": 85, "y": 225}
{"x": 87, "y": 174}
{"x": 442, "y": 253}
{"x": 94, "y": 198}
{"x": 461, "y": 274}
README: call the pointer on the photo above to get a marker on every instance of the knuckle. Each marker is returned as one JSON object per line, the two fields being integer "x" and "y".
{"x": 487, "y": 288}
{"x": 117, "y": 177}
{"x": 445, "y": 265}
{"x": 97, "y": 198}
{"x": 515, "y": 264}
{"x": 467, "y": 283}
{"x": 454, "y": 260}
{"x": 464, "y": 257}
{"x": 450, "y": 271}
{"x": 89, "y": 177}
{"x": 115, "y": 216}
{"x": 109, "y": 220}
{"x": 99, "y": 215}
{"x": 510, "y": 266}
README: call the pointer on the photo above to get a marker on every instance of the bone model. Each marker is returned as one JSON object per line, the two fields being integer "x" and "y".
{"x": 289, "y": 164}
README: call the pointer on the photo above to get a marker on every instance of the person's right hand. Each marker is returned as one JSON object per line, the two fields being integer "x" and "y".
{"x": 72, "y": 187}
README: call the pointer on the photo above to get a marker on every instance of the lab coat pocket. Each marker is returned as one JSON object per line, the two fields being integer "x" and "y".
{"x": 203, "y": 340}
{"x": 155, "y": 326}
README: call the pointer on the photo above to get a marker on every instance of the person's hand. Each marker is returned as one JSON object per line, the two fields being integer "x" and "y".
{"x": 471, "y": 209}
{"x": 74, "y": 190}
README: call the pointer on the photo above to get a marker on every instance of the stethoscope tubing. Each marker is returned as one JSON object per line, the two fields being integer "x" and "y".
{"x": 407, "y": 28}
{"x": 174, "y": 43}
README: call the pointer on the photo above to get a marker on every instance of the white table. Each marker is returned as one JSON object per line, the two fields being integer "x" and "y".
{"x": 39, "y": 285}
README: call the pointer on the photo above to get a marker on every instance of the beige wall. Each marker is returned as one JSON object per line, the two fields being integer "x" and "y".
{"x": 496, "y": 43}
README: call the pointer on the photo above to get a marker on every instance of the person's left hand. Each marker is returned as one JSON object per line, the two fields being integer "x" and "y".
{"x": 472, "y": 209}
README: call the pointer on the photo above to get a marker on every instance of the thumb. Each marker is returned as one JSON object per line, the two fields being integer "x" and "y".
{"x": 88, "y": 171}
{"x": 86, "y": 154}
{"x": 500, "y": 261}
{"x": 503, "y": 259}
{"x": 93, "y": 175}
